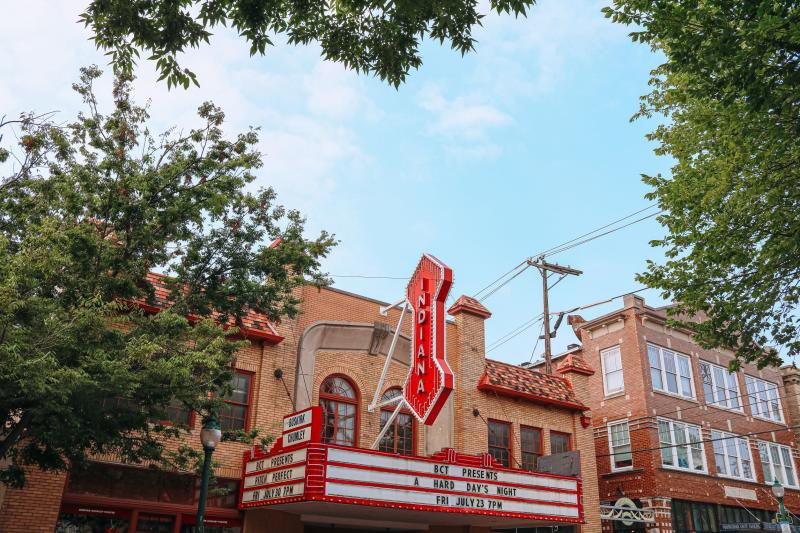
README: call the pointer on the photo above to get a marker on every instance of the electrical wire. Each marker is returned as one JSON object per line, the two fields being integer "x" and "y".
{"x": 498, "y": 279}
{"x": 541, "y": 331}
{"x": 590, "y": 239}
{"x": 665, "y": 447}
{"x": 549, "y": 250}
{"x": 723, "y": 410}
{"x": 506, "y": 282}
{"x": 514, "y": 331}
{"x": 499, "y": 344}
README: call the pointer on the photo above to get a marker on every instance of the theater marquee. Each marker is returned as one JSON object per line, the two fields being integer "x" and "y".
{"x": 446, "y": 482}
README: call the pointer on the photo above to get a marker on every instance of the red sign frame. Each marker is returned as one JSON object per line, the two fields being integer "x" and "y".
{"x": 430, "y": 379}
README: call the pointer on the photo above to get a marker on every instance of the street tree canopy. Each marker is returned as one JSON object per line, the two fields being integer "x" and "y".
{"x": 87, "y": 211}
{"x": 378, "y": 38}
{"x": 730, "y": 92}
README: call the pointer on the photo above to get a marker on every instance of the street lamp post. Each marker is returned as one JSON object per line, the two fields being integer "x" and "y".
{"x": 782, "y": 517}
{"x": 210, "y": 436}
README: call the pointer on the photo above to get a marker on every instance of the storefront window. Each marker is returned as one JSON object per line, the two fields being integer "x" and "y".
{"x": 399, "y": 437}
{"x": 339, "y": 403}
{"x": 89, "y": 523}
{"x": 155, "y": 523}
{"x": 150, "y": 485}
{"x": 694, "y": 517}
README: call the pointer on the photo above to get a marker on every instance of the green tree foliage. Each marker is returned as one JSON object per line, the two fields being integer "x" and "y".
{"x": 379, "y": 38}
{"x": 87, "y": 210}
{"x": 730, "y": 89}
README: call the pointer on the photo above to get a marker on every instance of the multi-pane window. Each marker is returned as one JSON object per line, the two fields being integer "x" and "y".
{"x": 777, "y": 463}
{"x": 339, "y": 403}
{"x": 178, "y": 413}
{"x": 721, "y": 388}
{"x": 764, "y": 399}
{"x": 399, "y": 438}
{"x": 559, "y": 442}
{"x": 670, "y": 371}
{"x": 500, "y": 442}
{"x": 611, "y": 360}
{"x": 233, "y": 414}
{"x": 732, "y": 456}
{"x": 681, "y": 445}
{"x": 531, "y": 446}
{"x": 619, "y": 442}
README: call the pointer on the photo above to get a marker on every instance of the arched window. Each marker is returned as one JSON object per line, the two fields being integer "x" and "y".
{"x": 400, "y": 436}
{"x": 339, "y": 402}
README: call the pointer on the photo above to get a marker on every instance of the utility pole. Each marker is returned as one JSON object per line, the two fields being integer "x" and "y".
{"x": 545, "y": 267}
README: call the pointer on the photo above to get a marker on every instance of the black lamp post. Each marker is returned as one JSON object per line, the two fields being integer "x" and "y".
{"x": 210, "y": 436}
{"x": 782, "y": 517}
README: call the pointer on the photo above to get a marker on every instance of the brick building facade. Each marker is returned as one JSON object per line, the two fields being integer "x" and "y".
{"x": 677, "y": 434}
{"x": 333, "y": 351}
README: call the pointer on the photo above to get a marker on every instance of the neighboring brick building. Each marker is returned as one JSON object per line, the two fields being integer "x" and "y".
{"x": 333, "y": 353}
{"x": 654, "y": 390}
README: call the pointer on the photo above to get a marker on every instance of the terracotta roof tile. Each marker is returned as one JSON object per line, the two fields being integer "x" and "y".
{"x": 253, "y": 324}
{"x": 511, "y": 380}
{"x": 468, "y": 304}
{"x": 575, "y": 362}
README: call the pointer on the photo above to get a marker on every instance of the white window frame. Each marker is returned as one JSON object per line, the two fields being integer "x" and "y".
{"x": 663, "y": 371}
{"x": 671, "y": 448}
{"x": 603, "y": 365}
{"x": 721, "y": 447}
{"x": 759, "y": 397}
{"x": 715, "y": 386}
{"x": 612, "y": 448}
{"x": 771, "y": 465}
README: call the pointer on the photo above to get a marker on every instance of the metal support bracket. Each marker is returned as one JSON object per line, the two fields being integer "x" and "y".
{"x": 389, "y": 355}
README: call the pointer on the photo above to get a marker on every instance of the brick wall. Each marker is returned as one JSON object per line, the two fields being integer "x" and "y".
{"x": 270, "y": 401}
{"x": 632, "y": 328}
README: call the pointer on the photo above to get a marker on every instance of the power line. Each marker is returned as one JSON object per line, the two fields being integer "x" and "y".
{"x": 514, "y": 332}
{"x": 548, "y": 251}
{"x": 594, "y": 237}
{"x": 656, "y": 448}
{"x": 724, "y": 410}
{"x": 502, "y": 281}
{"x": 506, "y": 282}
{"x": 477, "y": 294}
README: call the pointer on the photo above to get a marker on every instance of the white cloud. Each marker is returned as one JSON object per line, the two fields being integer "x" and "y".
{"x": 462, "y": 123}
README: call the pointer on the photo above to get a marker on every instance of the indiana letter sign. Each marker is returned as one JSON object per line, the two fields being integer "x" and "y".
{"x": 430, "y": 379}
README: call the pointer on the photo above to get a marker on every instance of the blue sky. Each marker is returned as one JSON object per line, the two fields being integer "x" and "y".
{"x": 482, "y": 160}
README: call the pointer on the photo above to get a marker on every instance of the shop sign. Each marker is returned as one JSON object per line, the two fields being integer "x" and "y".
{"x": 374, "y": 479}
{"x": 282, "y": 473}
{"x": 446, "y": 482}
{"x": 430, "y": 380}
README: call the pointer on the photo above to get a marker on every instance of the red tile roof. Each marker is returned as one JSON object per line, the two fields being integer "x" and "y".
{"x": 515, "y": 381}
{"x": 468, "y": 304}
{"x": 253, "y": 325}
{"x": 574, "y": 362}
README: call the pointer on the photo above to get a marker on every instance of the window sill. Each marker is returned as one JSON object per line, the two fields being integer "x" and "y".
{"x": 726, "y": 409}
{"x": 684, "y": 471}
{"x": 621, "y": 471}
{"x": 739, "y": 479}
{"x": 771, "y": 420}
{"x": 617, "y": 394}
{"x": 677, "y": 396}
